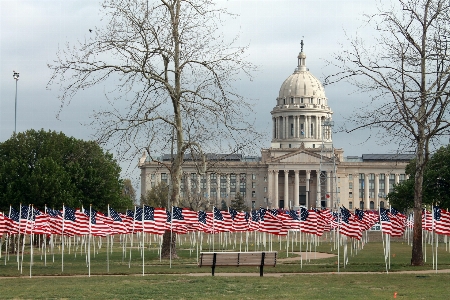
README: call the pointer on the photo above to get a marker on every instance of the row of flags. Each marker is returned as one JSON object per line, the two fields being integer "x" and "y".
{"x": 69, "y": 221}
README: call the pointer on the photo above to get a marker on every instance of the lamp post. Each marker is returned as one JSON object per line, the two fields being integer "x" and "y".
{"x": 16, "y": 78}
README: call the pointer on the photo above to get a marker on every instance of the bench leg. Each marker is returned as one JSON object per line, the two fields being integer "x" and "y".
{"x": 214, "y": 264}
{"x": 261, "y": 267}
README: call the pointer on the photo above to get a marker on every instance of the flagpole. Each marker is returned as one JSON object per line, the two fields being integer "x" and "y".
{"x": 89, "y": 240}
{"x": 24, "y": 236}
{"x": 31, "y": 240}
{"x": 143, "y": 241}
{"x": 107, "y": 246}
{"x": 170, "y": 243}
{"x": 18, "y": 238}
{"x": 62, "y": 236}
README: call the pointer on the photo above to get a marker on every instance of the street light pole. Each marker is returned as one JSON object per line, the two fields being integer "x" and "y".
{"x": 16, "y": 77}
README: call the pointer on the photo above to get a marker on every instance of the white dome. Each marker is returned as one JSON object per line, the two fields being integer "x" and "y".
{"x": 302, "y": 83}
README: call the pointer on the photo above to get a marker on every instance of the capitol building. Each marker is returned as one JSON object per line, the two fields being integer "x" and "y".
{"x": 301, "y": 167}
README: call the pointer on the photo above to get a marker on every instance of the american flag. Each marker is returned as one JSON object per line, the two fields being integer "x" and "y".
{"x": 202, "y": 221}
{"x": 219, "y": 223}
{"x": 233, "y": 213}
{"x": 349, "y": 225}
{"x": 308, "y": 221}
{"x": 253, "y": 224}
{"x": 386, "y": 226}
{"x": 3, "y": 224}
{"x": 118, "y": 226}
{"x": 427, "y": 220}
{"x": 177, "y": 214}
{"x": 364, "y": 219}
{"x": 240, "y": 222}
{"x": 441, "y": 221}
{"x": 270, "y": 224}
{"x": 398, "y": 222}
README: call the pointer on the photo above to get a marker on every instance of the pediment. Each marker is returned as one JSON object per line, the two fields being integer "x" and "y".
{"x": 301, "y": 156}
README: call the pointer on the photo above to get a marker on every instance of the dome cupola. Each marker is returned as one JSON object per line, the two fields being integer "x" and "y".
{"x": 301, "y": 110}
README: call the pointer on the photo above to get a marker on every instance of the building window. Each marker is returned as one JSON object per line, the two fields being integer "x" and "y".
{"x": 312, "y": 130}
{"x": 301, "y": 100}
{"x": 253, "y": 185}
{"x": 292, "y": 129}
{"x": 292, "y": 100}
{"x": 253, "y": 176}
{"x": 265, "y": 178}
{"x": 318, "y": 100}
{"x": 350, "y": 205}
{"x": 350, "y": 185}
{"x": 153, "y": 177}
{"x": 350, "y": 194}
{"x": 314, "y": 145}
{"x": 361, "y": 205}
{"x": 382, "y": 204}
{"x": 265, "y": 189}
{"x": 372, "y": 205}
{"x": 152, "y": 185}
{"x": 350, "y": 177}
{"x": 289, "y": 145}
{"x": 164, "y": 177}
{"x": 253, "y": 204}
{"x": 361, "y": 185}
{"x": 402, "y": 178}
{"x": 311, "y": 100}
{"x": 253, "y": 194}
{"x": 284, "y": 100}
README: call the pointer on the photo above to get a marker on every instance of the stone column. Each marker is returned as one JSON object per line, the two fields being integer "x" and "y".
{"x": 228, "y": 189}
{"x": 319, "y": 127}
{"x": 306, "y": 126}
{"x": 297, "y": 189}
{"x": 308, "y": 177}
{"x": 269, "y": 185}
{"x": 285, "y": 136}
{"x": 386, "y": 186}
{"x": 199, "y": 190}
{"x": 286, "y": 188}
{"x": 208, "y": 186}
{"x": 318, "y": 204}
{"x": 275, "y": 190}
{"x": 329, "y": 193}
{"x": 188, "y": 184}
{"x": 377, "y": 188}
{"x": 366, "y": 191}
{"x": 274, "y": 128}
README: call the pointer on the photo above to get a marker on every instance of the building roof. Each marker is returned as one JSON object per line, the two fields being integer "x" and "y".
{"x": 388, "y": 157}
{"x": 216, "y": 157}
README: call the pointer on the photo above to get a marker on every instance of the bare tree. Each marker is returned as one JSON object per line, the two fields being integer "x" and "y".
{"x": 169, "y": 74}
{"x": 407, "y": 74}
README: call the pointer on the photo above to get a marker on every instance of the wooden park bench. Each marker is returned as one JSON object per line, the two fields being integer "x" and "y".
{"x": 236, "y": 259}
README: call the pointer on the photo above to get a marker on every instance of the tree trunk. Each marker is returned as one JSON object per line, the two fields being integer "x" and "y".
{"x": 167, "y": 245}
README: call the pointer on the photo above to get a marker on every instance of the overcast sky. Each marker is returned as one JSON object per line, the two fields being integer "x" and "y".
{"x": 31, "y": 32}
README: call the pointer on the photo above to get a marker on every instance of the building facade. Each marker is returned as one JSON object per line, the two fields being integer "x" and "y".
{"x": 301, "y": 167}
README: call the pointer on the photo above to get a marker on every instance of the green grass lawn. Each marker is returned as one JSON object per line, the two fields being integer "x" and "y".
{"x": 314, "y": 279}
